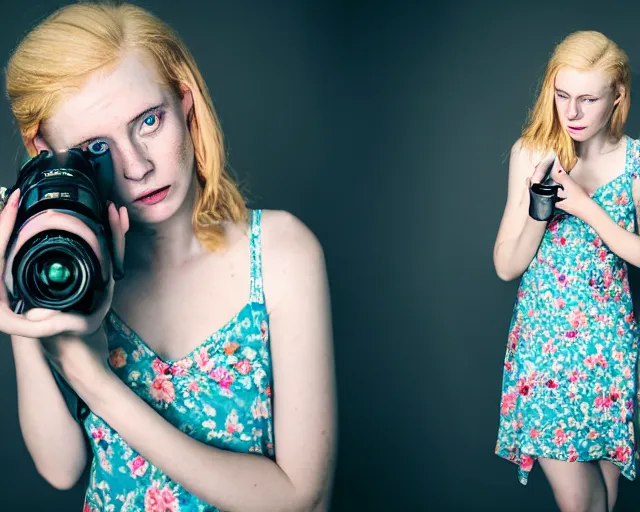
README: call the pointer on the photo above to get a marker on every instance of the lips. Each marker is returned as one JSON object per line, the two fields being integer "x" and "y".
{"x": 577, "y": 128}
{"x": 149, "y": 193}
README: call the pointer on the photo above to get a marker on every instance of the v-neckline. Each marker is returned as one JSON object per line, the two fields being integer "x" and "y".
{"x": 137, "y": 339}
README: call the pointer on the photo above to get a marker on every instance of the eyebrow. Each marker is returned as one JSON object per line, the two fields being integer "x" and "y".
{"x": 144, "y": 113}
{"x": 580, "y": 96}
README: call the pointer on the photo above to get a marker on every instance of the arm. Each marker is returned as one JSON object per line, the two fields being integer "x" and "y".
{"x": 623, "y": 243}
{"x": 304, "y": 410}
{"x": 53, "y": 438}
{"x": 519, "y": 235}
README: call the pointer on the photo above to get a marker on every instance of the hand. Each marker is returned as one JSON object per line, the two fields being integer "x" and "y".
{"x": 541, "y": 169}
{"x": 572, "y": 198}
{"x": 42, "y": 323}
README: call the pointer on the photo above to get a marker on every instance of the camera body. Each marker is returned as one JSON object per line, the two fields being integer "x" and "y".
{"x": 56, "y": 268}
{"x": 543, "y": 197}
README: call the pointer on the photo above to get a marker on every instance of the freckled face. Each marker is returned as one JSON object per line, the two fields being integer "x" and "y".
{"x": 584, "y": 102}
{"x": 144, "y": 124}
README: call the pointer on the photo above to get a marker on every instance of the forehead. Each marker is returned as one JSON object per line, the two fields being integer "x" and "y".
{"x": 106, "y": 103}
{"x": 576, "y": 82}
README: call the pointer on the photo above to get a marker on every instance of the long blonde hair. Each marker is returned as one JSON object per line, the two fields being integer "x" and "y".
{"x": 64, "y": 50}
{"x": 584, "y": 51}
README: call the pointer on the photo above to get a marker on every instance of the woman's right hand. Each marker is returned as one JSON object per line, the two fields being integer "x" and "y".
{"x": 42, "y": 323}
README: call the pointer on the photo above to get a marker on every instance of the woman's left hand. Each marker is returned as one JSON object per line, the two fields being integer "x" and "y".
{"x": 572, "y": 198}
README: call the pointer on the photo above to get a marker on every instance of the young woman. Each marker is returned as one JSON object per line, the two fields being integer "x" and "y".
{"x": 222, "y": 313}
{"x": 568, "y": 394}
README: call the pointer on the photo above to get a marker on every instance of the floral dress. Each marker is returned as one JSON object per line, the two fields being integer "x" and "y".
{"x": 569, "y": 383}
{"x": 219, "y": 394}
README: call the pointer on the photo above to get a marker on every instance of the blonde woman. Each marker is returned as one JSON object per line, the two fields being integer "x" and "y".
{"x": 568, "y": 394}
{"x": 207, "y": 375}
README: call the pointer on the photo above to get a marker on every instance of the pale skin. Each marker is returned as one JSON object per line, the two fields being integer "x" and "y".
{"x": 586, "y": 99}
{"x": 174, "y": 295}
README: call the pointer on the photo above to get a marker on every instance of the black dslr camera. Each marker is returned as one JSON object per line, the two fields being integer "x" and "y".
{"x": 543, "y": 197}
{"x": 57, "y": 269}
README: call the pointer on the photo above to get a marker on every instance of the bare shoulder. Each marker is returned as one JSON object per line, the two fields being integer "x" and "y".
{"x": 286, "y": 236}
{"x": 523, "y": 158}
{"x": 291, "y": 253}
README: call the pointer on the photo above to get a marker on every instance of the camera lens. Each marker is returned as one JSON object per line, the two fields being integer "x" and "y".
{"x": 56, "y": 270}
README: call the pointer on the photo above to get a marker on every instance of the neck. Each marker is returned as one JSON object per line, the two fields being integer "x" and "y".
{"x": 167, "y": 245}
{"x": 599, "y": 144}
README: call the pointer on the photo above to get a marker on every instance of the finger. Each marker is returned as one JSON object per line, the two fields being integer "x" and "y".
{"x": 54, "y": 324}
{"x": 117, "y": 234}
{"x": 8, "y": 220}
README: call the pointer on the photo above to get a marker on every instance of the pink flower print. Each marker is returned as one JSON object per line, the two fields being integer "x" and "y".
{"x": 617, "y": 355}
{"x": 138, "y": 466}
{"x": 573, "y": 454}
{"x": 560, "y": 437}
{"x": 180, "y": 368}
{"x": 607, "y": 278}
{"x": 97, "y": 433}
{"x": 627, "y": 372}
{"x": 162, "y": 389}
{"x": 577, "y": 318}
{"x": 549, "y": 348}
{"x": 202, "y": 360}
{"x": 222, "y": 377}
{"x": 159, "y": 366}
{"x": 534, "y": 434}
{"x": 602, "y": 402}
{"x": 560, "y": 303}
{"x": 231, "y": 424}
{"x": 623, "y": 198}
{"x": 117, "y": 357}
{"x": 264, "y": 330}
{"x": 526, "y": 463}
{"x": 157, "y": 500}
{"x": 194, "y": 387}
{"x": 622, "y": 454}
{"x": 592, "y": 435}
{"x": 243, "y": 367}
{"x": 508, "y": 403}
{"x": 87, "y": 508}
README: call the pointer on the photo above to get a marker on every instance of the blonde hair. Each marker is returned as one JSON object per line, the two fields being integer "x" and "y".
{"x": 64, "y": 50}
{"x": 584, "y": 51}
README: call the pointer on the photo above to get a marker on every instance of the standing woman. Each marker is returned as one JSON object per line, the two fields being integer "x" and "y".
{"x": 569, "y": 388}
{"x": 207, "y": 374}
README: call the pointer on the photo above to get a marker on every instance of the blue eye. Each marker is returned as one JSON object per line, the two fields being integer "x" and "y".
{"x": 150, "y": 120}
{"x": 98, "y": 147}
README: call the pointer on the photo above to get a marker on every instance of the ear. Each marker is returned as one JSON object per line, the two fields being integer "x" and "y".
{"x": 40, "y": 144}
{"x": 620, "y": 95}
{"x": 187, "y": 100}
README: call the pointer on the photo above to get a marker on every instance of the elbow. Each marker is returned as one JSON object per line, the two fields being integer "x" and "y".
{"x": 60, "y": 478}
{"x": 60, "y": 482}
{"x": 505, "y": 275}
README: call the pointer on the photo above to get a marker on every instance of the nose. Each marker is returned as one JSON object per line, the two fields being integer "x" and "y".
{"x": 573, "y": 112}
{"x": 135, "y": 164}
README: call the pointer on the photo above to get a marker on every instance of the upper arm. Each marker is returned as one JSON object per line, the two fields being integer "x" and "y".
{"x": 521, "y": 166}
{"x": 297, "y": 294}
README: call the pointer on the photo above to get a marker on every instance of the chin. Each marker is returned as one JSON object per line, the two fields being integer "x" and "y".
{"x": 156, "y": 214}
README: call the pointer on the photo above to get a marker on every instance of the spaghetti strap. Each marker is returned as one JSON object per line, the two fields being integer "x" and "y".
{"x": 255, "y": 242}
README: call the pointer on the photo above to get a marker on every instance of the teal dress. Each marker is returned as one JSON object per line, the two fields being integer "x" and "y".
{"x": 569, "y": 381}
{"x": 219, "y": 394}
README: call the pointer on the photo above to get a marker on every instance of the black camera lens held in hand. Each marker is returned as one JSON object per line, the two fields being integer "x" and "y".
{"x": 55, "y": 268}
{"x": 543, "y": 197}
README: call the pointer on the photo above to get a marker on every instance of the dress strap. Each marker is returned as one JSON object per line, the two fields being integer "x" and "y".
{"x": 633, "y": 157}
{"x": 255, "y": 243}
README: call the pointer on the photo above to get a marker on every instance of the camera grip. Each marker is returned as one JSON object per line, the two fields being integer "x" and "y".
{"x": 541, "y": 202}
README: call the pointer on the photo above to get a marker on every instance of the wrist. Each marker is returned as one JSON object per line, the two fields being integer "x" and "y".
{"x": 589, "y": 211}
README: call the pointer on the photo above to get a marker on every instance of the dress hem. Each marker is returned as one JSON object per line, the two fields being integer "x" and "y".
{"x": 523, "y": 475}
